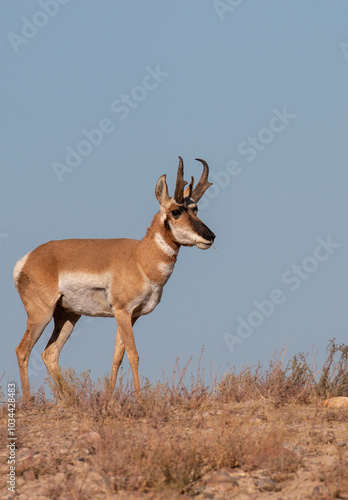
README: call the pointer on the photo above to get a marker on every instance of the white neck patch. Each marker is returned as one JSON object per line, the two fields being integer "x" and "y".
{"x": 166, "y": 269}
{"x": 168, "y": 250}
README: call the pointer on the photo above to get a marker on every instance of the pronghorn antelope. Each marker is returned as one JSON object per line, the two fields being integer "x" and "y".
{"x": 119, "y": 278}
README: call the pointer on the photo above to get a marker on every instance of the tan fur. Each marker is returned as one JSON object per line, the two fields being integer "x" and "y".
{"x": 123, "y": 278}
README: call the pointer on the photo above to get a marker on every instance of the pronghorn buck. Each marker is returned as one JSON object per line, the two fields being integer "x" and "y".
{"x": 119, "y": 278}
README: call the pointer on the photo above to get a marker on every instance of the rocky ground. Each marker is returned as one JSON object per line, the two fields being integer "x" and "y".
{"x": 248, "y": 450}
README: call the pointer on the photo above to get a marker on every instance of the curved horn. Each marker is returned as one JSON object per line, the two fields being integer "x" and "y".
{"x": 180, "y": 183}
{"x": 188, "y": 190}
{"x": 202, "y": 184}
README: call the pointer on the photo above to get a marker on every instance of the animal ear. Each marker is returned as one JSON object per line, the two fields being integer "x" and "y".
{"x": 162, "y": 191}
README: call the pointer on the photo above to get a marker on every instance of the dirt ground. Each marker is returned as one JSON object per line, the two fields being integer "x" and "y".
{"x": 242, "y": 450}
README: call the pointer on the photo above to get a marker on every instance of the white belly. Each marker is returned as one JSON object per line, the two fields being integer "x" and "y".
{"x": 86, "y": 294}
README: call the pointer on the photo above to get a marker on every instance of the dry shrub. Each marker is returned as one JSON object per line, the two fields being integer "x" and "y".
{"x": 240, "y": 386}
{"x": 79, "y": 392}
{"x": 334, "y": 375}
{"x": 158, "y": 400}
{"x": 146, "y": 460}
{"x": 173, "y": 457}
{"x": 295, "y": 383}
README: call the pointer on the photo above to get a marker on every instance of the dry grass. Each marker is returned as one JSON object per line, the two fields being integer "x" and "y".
{"x": 297, "y": 382}
{"x": 259, "y": 419}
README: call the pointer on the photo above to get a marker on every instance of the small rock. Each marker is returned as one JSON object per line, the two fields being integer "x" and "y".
{"x": 267, "y": 484}
{"x": 63, "y": 451}
{"x": 338, "y": 402}
{"x": 29, "y": 475}
{"x": 94, "y": 435}
{"x": 319, "y": 492}
{"x": 222, "y": 481}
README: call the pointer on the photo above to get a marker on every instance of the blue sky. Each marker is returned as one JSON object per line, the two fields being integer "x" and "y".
{"x": 259, "y": 90}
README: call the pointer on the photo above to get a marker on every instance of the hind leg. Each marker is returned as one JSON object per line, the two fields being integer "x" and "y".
{"x": 64, "y": 322}
{"x": 35, "y": 326}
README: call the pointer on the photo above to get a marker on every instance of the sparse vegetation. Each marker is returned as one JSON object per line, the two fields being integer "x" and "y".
{"x": 263, "y": 429}
{"x": 334, "y": 375}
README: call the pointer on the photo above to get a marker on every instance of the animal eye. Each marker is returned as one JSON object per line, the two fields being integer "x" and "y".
{"x": 195, "y": 209}
{"x": 176, "y": 213}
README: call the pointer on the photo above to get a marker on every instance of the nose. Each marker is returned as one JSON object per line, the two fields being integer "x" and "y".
{"x": 210, "y": 236}
{"x": 202, "y": 230}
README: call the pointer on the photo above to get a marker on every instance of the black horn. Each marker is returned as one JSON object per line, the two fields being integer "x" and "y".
{"x": 180, "y": 183}
{"x": 202, "y": 184}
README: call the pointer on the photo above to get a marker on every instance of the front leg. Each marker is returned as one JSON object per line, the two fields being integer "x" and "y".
{"x": 117, "y": 360}
{"x": 125, "y": 342}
